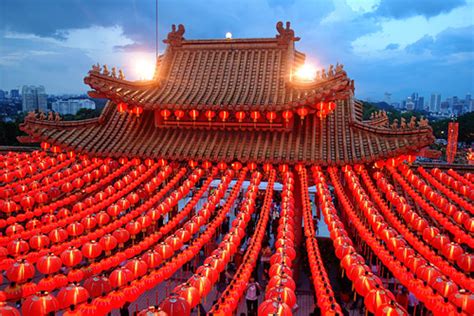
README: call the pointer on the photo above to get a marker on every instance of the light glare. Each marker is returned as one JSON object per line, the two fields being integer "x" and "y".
{"x": 144, "y": 67}
{"x": 306, "y": 72}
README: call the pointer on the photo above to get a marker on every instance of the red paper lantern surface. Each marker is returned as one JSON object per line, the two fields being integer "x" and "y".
{"x": 40, "y": 304}
{"x": 72, "y": 294}
{"x": 175, "y": 305}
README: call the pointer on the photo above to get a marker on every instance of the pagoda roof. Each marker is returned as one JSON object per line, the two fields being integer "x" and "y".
{"x": 340, "y": 138}
{"x": 236, "y": 74}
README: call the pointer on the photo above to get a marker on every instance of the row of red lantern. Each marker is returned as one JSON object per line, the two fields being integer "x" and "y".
{"x": 14, "y": 160}
{"x": 284, "y": 250}
{"x": 395, "y": 161}
{"x": 48, "y": 167}
{"x": 430, "y": 234}
{"x": 229, "y": 299}
{"x": 156, "y": 276}
{"x": 34, "y": 225}
{"x": 463, "y": 189}
{"x": 22, "y": 168}
{"x": 422, "y": 279}
{"x": 29, "y": 167}
{"x": 134, "y": 110}
{"x": 377, "y": 299}
{"x": 226, "y": 116}
{"x": 74, "y": 228}
{"x": 468, "y": 206}
{"x": 460, "y": 235}
{"x": 57, "y": 185}
{"x": 470, "y": 177}
{"x": 461, "y": 179}
{"x": 71, "y": 256}
{"x": 465, "y": 261}
{"x": 197, "y": 287}
{"x": 49, "y": 221}
{"x": 322, "y": 286}
{"x": 125, "y": 288}
{"x": 443, "y": 204}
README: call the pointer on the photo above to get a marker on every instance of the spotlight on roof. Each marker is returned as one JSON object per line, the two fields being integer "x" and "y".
{"x": 306, "y": 73}
{"x": 228, "y": 35}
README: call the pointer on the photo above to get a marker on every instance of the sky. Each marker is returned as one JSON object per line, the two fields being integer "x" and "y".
{"x": 394, "y": 46}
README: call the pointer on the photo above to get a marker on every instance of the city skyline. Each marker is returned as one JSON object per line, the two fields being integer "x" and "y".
{"x": 393, "y": 46}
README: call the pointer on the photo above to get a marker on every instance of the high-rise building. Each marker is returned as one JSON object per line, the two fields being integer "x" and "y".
{"x": 468, "y": 98}
{"x": 438, "y": 103}
{"x": 387, "y": 98}
{"x": 14, "y": 93}
{"x": 34, "y": 98}
{"x": 2, "y": 95}
{"x": 410, "y": 105}
{"x": 72, "y": 106}
{"x": 435, "y": 102}
{"x": 420, "y": 104}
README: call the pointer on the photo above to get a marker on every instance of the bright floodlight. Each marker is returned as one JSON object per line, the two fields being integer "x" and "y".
{"x": 228, "y": 35}
{"x": 144, "y": 67}
{"x": 306, "y": 73}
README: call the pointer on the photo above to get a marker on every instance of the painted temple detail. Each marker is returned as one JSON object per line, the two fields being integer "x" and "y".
{"x": 232, "y": 99}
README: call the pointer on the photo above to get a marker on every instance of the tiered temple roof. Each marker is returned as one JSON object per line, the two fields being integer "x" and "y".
{"x": 232, "y": 75}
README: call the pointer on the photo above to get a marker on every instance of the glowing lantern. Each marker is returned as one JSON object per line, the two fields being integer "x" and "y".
{"x": 120, "y": 277}
{"x": 179, "y": 114}
{"x": 194, "y": 114}
{"x": 189, "y": 293}
{"x": 287, "y": 115}
{"x": 240, "y": 116}
{"x": 223, "y": 115}
{"x": 210, "y": 115}
{"x": 255, "y": 116}
{"x": 45, "y": 145}
{"x": 271, "y": 116}
{"x": 122, "y": 107}
{"x": 41, "y": 304}
{"x": 274, "y": 307}
{"x": 92, "y": 249}
{"x": 137, "y": 110}
{"x": 71, "y": 257}
{"x": 165, "y": 114}
{"x": 302, "y": 112}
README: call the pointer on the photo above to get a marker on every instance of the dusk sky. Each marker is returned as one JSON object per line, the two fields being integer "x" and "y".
{"x": 396, "y": 46}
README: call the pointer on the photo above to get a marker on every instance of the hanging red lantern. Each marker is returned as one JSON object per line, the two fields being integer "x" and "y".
{"x": 41, "y": 304}
{"x": 271, "y": 116}
{"x": 20, "y": 271}
{"x": 222, "y": 165}
{"x": 224, "y": 115}
{"x": 92, "y": 249}
{"x": 165, "y": 113}
{"x": 152, "y": 311}
{"x": 287, "y": 115}
{"x": 240, "y": 116}
{"x": 179, "y": 114}
{"x": 45, "y": 145}
{"x": 49, "y": 264}
{"x": 210, "y": 115}
{"x": 71, "y": 257}
{"x": 194, "y": 114}
{"x": 97, "y": 285}
{"x": 137, "y": 110}
{"x": 152, "y": 258}
{"x": 120, "y": 277}
{"x": 302, "y": 112}
{"x": 7, "y": 310}
{"x": 72, "y": 294}
{"x": 122, "y": 107}
{"x": 175, "y": 305}
{"x": 274, "y": 307}
{"x": 255, "y": 116}
{"x": 138, "y": 267}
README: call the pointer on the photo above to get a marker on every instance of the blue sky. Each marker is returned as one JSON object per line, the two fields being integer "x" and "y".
{"x": 396, "y": 46}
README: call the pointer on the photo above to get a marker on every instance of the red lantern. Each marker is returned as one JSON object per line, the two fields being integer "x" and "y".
{"x": 6, "y": 310}
{"x": 97, "y": 285}
{"x": 41, "y": 304}
{"x": 302, "y": 112}
{"x": 165, "y": 114}
{"x": 45, "y": 145}
{"x": 189, "y": 293}
{"x": 137, "y": 110}
{"x": 274, "y": 307}
{"x": 194, "y": 114}
{"x": 20, "y": 271}
{"x": 176, "y": 305}
{"x": 120, "y": 277}
{"x": 49, "y": 264}
{"x": 92, "y": 249}
{"x": 72, "y": 294}
{"x": 223, "y": 115}
{"x": 255, "y": 116}
{"x": 71, "y": 257}
{"x": 179, "y": 114}
{"x": 122, "y": 107}
{"x": 240, "y": 116}
{"x": 138, "y": 267}
{"x": 271, "y": 116}
{"x": 210, "y": 115}
{"x": 287, "y": 115}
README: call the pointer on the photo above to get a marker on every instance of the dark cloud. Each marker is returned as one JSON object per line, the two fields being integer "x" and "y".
{"x": 400, "y": 9}
{"x": 450, "y": 41}
{"x": 392, "y": 46}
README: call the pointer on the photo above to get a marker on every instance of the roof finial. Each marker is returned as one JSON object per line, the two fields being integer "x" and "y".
{"x": 175, "y": 37}
{"x": 285, "y": 35}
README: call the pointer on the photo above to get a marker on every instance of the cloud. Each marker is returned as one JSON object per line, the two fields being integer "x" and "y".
{"x": 400, "y": 9}
{"x": 392, "y": 46}
{"x": 450, "y": 41}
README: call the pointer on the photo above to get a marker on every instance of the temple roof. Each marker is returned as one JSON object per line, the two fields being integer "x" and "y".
{"x": 341, "y": 138}
{"x": 239, "y": 74}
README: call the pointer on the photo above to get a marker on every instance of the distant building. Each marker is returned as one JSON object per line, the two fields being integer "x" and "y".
{"x": 438, "y": 103}
{"x": 387, "y": 98}
{"x": 2, "y": 95}
{"x": 435, "y": 102}
{"x": 34, "y": 98}
{"x": 420, "y": 104}
{"x": 71, "y": 106}
{"x": 410, "y": 105}
{"x": 14, "y": 94}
